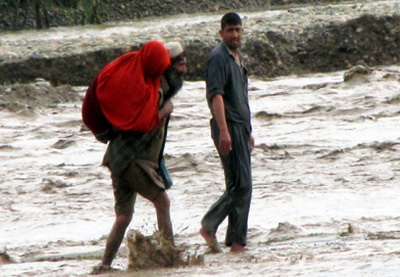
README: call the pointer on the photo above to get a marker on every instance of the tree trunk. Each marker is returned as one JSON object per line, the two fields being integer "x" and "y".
{"x": 17, "y": 4}
{"x": 37, "y": 4}
{"x": 46, "y": 17}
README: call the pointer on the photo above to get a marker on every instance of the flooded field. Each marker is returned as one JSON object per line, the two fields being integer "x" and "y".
{"x": 325, "y": 171}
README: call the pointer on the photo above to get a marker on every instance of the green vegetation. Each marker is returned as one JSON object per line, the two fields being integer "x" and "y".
{"x": 19, "y": 12}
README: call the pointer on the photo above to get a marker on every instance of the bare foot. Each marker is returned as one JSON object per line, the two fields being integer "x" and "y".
{"x": 211, "y": 241}
{"x": 237, "y": 248}
{"x": 100, "y": 269}
{"x": 103, "y": 269}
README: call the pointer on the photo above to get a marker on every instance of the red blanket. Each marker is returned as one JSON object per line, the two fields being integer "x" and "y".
{"x": 92, "y": 115}
{"x": 127, "y": 88}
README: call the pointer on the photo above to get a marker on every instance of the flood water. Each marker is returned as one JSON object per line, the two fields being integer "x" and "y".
{"x": 325, "y": 171}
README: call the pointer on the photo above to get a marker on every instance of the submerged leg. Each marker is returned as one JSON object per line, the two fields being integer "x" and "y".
{"x": 211, "y": 241}
{"x": 162, "y": 205}
{"x": 115, "y": 238}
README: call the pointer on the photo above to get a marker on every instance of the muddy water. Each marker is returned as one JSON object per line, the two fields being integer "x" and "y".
{"x": 325, "y": 170}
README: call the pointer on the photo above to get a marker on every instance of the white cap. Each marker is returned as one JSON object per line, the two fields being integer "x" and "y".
{"x": 174, "y": 49}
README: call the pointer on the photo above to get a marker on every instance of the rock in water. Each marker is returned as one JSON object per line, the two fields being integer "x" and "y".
{"x": 284, "y": 231}
{"x": 150, "y": 252}
{"x": 359, "y": 71}
{"x": 5, "y": 258}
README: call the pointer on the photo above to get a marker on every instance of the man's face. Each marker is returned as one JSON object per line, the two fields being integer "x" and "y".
{"x": 232, "y": 36}
{"x": 181, "y": 66}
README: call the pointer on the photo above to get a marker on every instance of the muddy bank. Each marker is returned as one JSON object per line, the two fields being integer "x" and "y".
{"x": 367, "y": 40}
{"x": 290, "y": 41}
{"x": 40, "y": 93}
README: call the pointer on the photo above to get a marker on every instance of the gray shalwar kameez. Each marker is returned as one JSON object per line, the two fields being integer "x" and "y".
{"x": 226, "y": 77}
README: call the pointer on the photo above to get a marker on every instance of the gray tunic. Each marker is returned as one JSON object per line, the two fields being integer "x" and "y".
{"x": 224, "y": 76}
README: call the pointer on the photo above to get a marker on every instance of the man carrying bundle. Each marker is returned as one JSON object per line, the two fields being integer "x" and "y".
{"x": 134, "y": 93}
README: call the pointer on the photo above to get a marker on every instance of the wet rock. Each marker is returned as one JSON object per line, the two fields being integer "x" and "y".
{"x": 52, "y": 185}
{"x": 63, "y": 143}
{"x": 267, "y": 116}
{"x": 358, "y": 71}
{"x": 6, "y": 147}
{"x": 284, "y": 231}
{"x": 285, "y": 228}
{"x": 41, "y": 93}
{"x": 390, "y": 235}
{"x": 5, "y": 258}
{"x": 350, "y": 229}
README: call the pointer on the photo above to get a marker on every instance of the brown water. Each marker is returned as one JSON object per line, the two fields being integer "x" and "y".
{"x": 325, "y": 170}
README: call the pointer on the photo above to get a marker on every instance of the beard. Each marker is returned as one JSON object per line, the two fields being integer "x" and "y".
{"x": 175, "y": 82}
{"x": 233, "y": 44}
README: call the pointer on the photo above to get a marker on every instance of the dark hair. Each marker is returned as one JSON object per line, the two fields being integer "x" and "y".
{"x": 230, "y": 19}
{"x": 178, "y": 58}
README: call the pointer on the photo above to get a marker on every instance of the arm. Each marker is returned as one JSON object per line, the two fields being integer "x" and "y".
{"x": 252, "y": 144}
{"x": 166, "y": 110}
{"x": 225, "y": 142}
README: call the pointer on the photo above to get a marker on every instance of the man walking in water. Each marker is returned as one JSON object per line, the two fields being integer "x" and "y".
{"x": 227, "y": 97}
{"x": 146, "y": 80}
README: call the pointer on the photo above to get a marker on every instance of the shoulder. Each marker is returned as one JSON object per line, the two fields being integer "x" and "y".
{"x": 220, "y": 50}
{"x": 218, "y": 55}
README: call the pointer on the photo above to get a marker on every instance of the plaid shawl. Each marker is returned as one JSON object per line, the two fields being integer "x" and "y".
{"x": 125, "y": 148}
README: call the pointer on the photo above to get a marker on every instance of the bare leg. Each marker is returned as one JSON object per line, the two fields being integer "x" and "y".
{"x": 115, "y": 238}
{"x": 211, "y": 241}
{"x": 162, "y": 205}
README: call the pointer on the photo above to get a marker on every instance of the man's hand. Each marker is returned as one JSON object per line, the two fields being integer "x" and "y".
{"x": 251, "y": 143}
{"x": 225, "y": 142}
{"x": 166, "y": 110}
